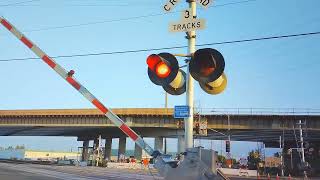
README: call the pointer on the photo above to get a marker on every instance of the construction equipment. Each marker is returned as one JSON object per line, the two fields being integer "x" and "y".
{"x": 191, "y": 167}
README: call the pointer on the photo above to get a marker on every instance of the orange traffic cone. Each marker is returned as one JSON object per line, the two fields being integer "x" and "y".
{"x": 268, "y": 176}
{"x": 289, "y": 177}
{"x": 277, "y": 177}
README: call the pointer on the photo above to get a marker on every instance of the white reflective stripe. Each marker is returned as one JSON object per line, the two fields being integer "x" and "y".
{"x": 114, "y": 118}
{"x": 144, "y": 145}
{"x": 37, "y": 51}
{"x": 86, "y": 94}
{"x": 16, "y": 33}
{"x": 60, "y": 71}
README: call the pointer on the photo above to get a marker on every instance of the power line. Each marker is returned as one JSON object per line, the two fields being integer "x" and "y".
{"x": 17, "y": 3}
{"x": 130, "y": 18}
{"x": 172, "y": 47}
{"x": 127, "y": 4}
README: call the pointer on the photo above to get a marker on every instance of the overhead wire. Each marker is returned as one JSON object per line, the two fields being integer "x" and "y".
{"x": 172, "y": 47}
{"x": 17, "y": 3}
{"x": 130, "y": 18}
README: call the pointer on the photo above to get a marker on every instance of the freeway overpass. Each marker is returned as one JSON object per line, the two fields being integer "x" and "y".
{"x": 153, "y": 122}
{"x": 88, "y": 124}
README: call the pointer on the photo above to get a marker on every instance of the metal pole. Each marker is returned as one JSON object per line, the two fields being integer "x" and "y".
{"x": 166, "y": 100}
{"x": 281, "y": 155}
{"x": 98, "y": 149}
{"x": 229, "y": 138}
{"x": 165, "y": 145}
{"x": 302, "y": 148}
{"x": 291, "y": 159}
{"x": 301, "y": 141}
{"x": 189, "y": 100}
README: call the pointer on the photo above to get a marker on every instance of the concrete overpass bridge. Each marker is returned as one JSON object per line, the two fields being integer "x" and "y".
{"x": 88, "y": 124}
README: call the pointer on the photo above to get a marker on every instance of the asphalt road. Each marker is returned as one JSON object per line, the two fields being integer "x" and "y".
{"x": 9, "y": 174}
{"x": 272, "y": 178}
{"x": 9, "y": 171}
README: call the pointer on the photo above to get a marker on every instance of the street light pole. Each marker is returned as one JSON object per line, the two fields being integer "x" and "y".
{"x": 189, "y": 84}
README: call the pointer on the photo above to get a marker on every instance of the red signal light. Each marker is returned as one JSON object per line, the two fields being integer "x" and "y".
{"x": 162, "y": 70}
{"x": 157, "y": 65}
{"x": 153, "y": 60}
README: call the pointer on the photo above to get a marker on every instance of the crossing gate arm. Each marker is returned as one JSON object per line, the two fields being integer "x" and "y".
{"x": 81, "y": 89}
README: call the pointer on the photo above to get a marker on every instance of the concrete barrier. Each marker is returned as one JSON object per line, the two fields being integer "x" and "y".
{"x": 125, "y": 165}
{"x": 238, "y": 172}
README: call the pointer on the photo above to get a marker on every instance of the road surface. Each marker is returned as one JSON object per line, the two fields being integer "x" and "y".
{"x": 9, "y": 171}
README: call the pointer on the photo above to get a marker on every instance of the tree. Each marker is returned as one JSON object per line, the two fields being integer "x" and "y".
{"x": 221, "y": 159}
{"x": 9, "y": 148}
{"x": 20, "y": 147}
{"x": 254, "y": 159}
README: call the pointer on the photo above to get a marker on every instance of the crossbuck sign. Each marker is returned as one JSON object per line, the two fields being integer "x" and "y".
{"x": 172, "y": 3}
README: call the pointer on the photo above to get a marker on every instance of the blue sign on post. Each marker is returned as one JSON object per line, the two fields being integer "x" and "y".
{"x": 181, "y": 111}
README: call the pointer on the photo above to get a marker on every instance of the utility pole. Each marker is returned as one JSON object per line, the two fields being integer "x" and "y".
{"x": 191, "y": 36}
{"x": 302, "y": 147}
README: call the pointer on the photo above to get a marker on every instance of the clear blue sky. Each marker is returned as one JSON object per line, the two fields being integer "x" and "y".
{"x": 274, "y": 73}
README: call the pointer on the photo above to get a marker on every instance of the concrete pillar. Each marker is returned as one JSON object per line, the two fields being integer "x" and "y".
{"x": 85, "y": 147}
{"x": 122, "y": 146}
{"x": 181, "y": 144}
{"x": 107, "y": 149}
{"x": 158, "y": 143}
{"x": 137, "y": 152}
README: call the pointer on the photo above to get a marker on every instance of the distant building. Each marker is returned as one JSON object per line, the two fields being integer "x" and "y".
{"x": 272, "y": 162}
{"x": 25, "y": 154}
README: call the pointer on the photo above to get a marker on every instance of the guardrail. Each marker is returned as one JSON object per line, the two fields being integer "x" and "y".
{"x": 258, "y": 111}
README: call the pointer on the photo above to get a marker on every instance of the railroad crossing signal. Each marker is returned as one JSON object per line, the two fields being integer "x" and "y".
{"x": 207, "y": 66}
{"x": 163, "y": 70}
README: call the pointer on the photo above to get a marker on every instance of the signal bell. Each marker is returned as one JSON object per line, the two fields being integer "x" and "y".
{"x": 207, "y": 66}
{"x": 163, "y": 70}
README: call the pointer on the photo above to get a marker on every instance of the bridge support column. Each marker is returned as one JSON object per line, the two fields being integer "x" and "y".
{"x": 181, "y": 144}
{"x": 122, "y": 147}
{"x": 85, "y": 147}
{"x": 158, "y": 143}
{"x": 107, "y": 150}
{"x": 137, "y": 152}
